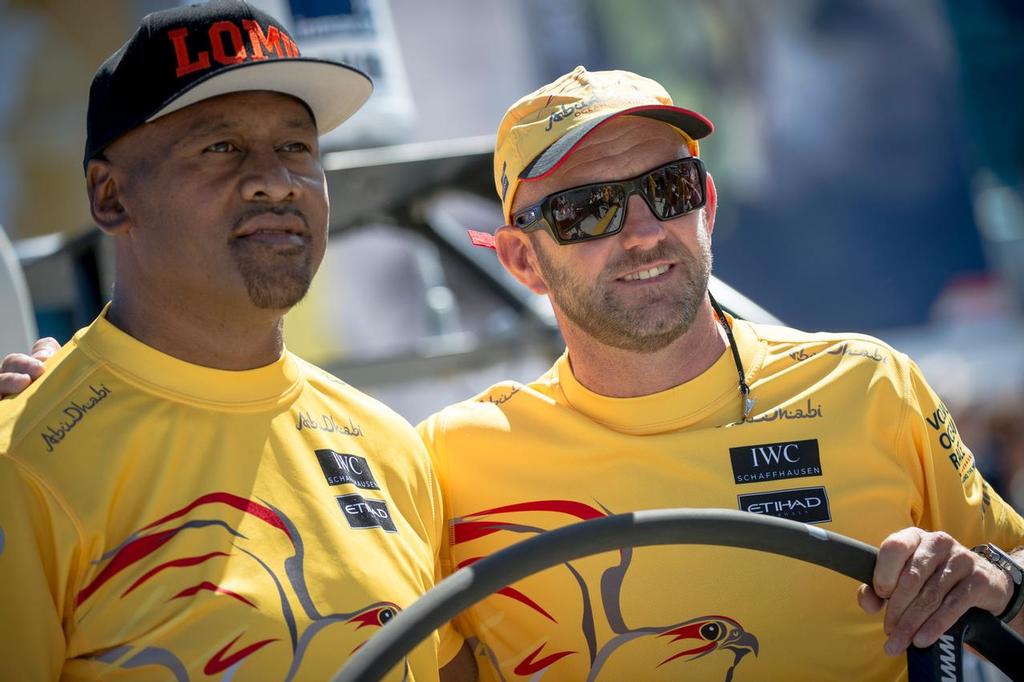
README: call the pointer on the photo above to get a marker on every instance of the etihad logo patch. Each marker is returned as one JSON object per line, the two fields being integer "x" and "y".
{"x": 775, "y": 461}
{"x": 807, "y": 505}
{"x": 361, "y": 512}
{"x": 339, "y": 468}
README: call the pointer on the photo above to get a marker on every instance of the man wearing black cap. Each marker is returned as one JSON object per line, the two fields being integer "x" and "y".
{"x": 663, "y": 400}
{"x": 180, "y": 497}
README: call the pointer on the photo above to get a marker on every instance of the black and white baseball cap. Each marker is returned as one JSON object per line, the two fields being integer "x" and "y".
{"x": 181, "y": 56}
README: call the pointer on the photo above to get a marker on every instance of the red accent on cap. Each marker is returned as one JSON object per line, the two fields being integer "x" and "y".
{"x": 617, "y": 114}
{"x": 481, "y": 239}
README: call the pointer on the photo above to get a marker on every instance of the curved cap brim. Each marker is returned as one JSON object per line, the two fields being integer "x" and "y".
{"x": 693, "y": 124}
{"x": 333, "y": 91}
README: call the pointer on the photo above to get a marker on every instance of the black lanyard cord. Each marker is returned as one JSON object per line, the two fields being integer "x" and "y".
{"x": 748, "y": 402}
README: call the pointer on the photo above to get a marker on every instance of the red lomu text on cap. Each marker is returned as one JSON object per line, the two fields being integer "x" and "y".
{"x": 260, "y": 44}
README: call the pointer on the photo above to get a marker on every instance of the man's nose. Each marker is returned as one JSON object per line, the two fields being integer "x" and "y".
{"x": 642, "y": 230}
{"x": 267, "y": 178}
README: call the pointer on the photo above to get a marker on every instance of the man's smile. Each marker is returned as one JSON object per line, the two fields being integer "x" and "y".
{"x": 654, "y": 272}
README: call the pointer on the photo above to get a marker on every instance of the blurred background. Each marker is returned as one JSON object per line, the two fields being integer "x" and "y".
{"x": 869, "y": 156}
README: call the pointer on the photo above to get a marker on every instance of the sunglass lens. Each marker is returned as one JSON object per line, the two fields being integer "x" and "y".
{"x": 674, "y": 190}
{"x": 588, "y": 212}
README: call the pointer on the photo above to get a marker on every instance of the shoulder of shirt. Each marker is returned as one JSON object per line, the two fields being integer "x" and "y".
{"x": 23, "y": 415}
{"x": 498, "y": 399}
{"x": 785, "y": 340}
{"x": 324, "y": 382}
{"x": 318, "y": 376}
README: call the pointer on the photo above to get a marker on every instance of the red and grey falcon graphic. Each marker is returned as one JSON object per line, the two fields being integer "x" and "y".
{"x": 300, "y": 619}
{"x": 664, "y": 645}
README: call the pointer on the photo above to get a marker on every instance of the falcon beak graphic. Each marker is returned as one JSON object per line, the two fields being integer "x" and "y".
{"x": 740, "y": 643}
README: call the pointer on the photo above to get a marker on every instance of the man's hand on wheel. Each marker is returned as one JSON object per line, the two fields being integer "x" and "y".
{"x": 926, "y": 581}
{"x": 18, "y": 371}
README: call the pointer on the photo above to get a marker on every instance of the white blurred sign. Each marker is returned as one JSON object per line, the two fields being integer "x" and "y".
{"x": 359, "y": 33}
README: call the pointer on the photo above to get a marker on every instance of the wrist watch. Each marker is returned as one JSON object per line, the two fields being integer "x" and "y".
{"x": 1005, "y": 562}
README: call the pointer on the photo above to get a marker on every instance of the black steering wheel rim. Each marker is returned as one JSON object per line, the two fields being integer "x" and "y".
{"x": 717, "y": 527}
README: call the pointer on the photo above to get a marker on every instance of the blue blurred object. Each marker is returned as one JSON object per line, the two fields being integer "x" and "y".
{"x": 56, "y": 322}
{"x": 867, "y": 213}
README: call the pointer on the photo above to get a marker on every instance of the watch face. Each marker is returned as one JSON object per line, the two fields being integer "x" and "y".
{"x": 1003, "y": 561}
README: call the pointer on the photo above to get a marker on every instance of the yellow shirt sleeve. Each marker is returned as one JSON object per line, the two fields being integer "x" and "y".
{"x": 951, "y": 493}
{"x": 37, "y": 548}
{"x": 451, "y": 636}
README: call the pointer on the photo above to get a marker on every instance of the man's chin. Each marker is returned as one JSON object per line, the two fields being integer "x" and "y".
{"x": 629, "y": 333}
{"x": 276, "y": 291}
{"x": 277, "y": 283}
{"x": 276, "y": 299}
{"x": 649, "y": 342}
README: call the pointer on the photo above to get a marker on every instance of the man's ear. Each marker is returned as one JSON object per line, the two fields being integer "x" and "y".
{"x": 105, "y": 204}
{"x": 712, "y": 204}
{"x": 515, "y": 252}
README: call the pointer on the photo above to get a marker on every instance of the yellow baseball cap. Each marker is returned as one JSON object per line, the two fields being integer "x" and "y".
{"x": 540, "y": 130}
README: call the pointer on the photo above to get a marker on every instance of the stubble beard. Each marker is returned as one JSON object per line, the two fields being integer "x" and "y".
{"x": 646, "y": 323}
{"x": 275, "y": 286}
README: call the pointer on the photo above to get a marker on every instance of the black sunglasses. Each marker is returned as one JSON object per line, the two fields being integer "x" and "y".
{"x": 599, "y": 210}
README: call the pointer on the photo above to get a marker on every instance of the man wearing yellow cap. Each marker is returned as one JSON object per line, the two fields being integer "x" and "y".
{"x": 663, "y": 400}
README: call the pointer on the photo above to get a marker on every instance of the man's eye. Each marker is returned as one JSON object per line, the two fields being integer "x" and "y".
{"x": 221, "y": 147}
{"x": 295, "y": 147}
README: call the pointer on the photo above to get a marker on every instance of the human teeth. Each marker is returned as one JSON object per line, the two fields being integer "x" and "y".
{"x": 646, "y": 274}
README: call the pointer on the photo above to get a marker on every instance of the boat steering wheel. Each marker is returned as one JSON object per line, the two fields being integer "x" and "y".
{"x": 718, "y": 527}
